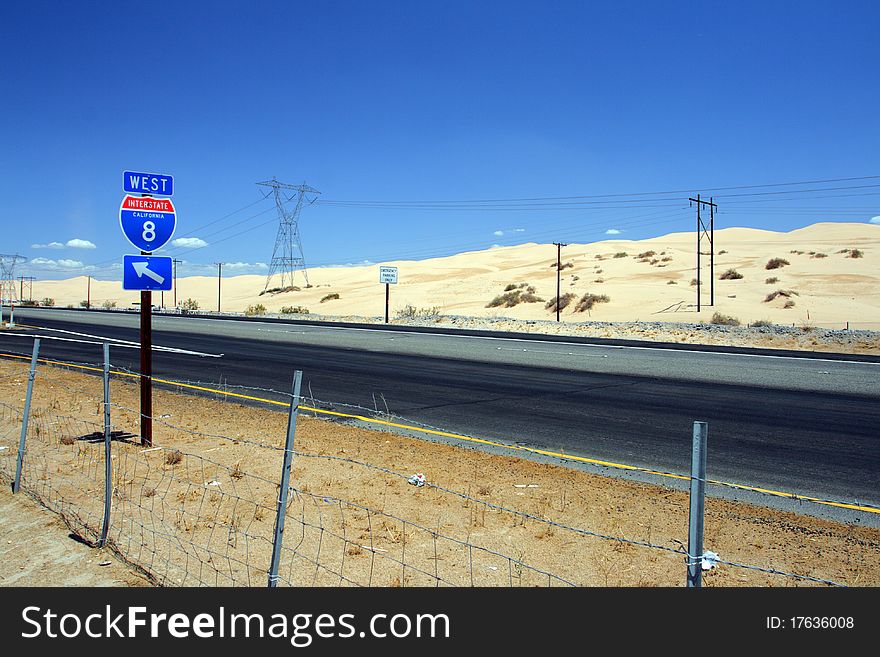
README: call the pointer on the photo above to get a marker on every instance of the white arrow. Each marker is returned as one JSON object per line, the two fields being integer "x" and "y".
{"x": 143, "y": 269}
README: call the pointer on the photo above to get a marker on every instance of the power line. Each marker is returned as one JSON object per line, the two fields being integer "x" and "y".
{"x": 595, "y": 196}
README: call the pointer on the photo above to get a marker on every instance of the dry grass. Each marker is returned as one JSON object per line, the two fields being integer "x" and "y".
{"x": 731, "y": 275}
{"x": 724, "y": 320}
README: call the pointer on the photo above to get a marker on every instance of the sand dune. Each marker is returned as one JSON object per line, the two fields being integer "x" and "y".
{"x": 822, "y": 284}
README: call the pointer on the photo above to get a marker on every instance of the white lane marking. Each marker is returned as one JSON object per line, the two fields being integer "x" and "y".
{"x": 560, "y": 342}
{"x": 124, "y": 344}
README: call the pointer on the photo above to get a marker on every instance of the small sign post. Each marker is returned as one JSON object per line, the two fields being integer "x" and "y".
{"x": 387, "y": 275}
{"x": 148, "y": 223}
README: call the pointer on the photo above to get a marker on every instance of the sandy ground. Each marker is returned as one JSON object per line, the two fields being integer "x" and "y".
{"x": 826, "y": 287}
{"x": 206, "y": 518}
{"x": 38, "y": 549}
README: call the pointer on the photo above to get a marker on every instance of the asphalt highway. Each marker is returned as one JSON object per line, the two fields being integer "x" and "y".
{"x": 805, "y": 425}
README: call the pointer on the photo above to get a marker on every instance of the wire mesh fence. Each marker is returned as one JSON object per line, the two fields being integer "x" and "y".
{"x": 199, "y": 508}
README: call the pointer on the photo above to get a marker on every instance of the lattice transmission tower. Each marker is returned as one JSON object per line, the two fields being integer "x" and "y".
{"x": 288, "y": 256}
{"x": 8, "y": 289}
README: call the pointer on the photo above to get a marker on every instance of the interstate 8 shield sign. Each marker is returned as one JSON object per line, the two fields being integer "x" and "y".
{"x": 148, "y": 223}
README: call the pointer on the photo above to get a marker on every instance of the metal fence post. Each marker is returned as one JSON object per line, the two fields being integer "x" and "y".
{"x": 108, "y": 466}
{"x": 285, "y": 481}
{"x": 27, "y": 411}
{"x": 697, "y": 499}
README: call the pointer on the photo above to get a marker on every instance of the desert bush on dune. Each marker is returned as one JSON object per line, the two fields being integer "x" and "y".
{"x": 514, "y": 295}
{"x": 330, "y": 297}
{"x": 731, "y": 275}
{"x": 255, "y": 310}
{"x": 588, "y": 301}
{"x": 620, "y": 254}
{"x": 294, "y": 310}
{"x": 771, "y": 280}
{"x": 762, "y": 322}
{"x": 776, "y": 263}
{"x": 562, "y": 302}
{"x": 779, "y": 293}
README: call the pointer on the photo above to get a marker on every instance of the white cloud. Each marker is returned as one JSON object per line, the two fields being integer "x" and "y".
{"x": 77, "y": 243}
{"x": 612, "y": 231}
{"x": 495, "y": 246}
{"x": 245, "y": 265}
{"x": 519, "y": 230}
{"x": 189, "y": 242}
{"x": 50, "y": 245}
{"x": 875, "y": 220}
{"x": 498, "y": 233}
{"x": 60, "y": 264}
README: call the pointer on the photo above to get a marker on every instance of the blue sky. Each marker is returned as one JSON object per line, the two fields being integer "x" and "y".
{"x": 397, "y": 111}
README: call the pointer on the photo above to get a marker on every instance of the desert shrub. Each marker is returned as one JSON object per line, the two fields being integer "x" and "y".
{"x": 722, "y": 252}
{"x": 512, "y": 298}
{"x": 84, "y": 304}
{"x": 666, "y": 259}
{"x": 173, "y": 456}
{"x": 560, "y": 302}
{"x": 672, "y": 282}
{"x": 776, "y": 263}
{"x": 820, "y": 255}
{"x": 620, "y": 254}
{"x": 330, "y": 297}
{"x": 771, "y": 280}
{"x": 724, "y": 320}
{"x": 796, "y": 252}
{"x": 564, "y": 265}
{"x": 29, "y": 302}
{"x": 254, "y": 310}
{"x": 654, "y": 261}
{"x": 189, "y": 305}
{"x": 779, "y": 293}
{"x": 279, "y": 290}
{"x": 731, "y": 275}
{"x": 789, "y": 304}
{"x": 646, "y": 254}
{"x": 693, "y": 281}
{"x": 294, "y": 310}
{"x": 108, "y": 305}
{"x": 762, "y": 322}
{"x": 588, "y": 301}
{"x": 599, "y": 280}
{"x": 48, "y": 302}
{"x": 510, "y": 286}
{"x": 855, "y": 253}
{"x": 411, "y": 312}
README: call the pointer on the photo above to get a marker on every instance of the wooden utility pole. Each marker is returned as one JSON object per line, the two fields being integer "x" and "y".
{"x": 219, "y": 276}
{"x": 710, "y": 233}
{"x": 559, "y": 246}
{"x": 174, "y": 262}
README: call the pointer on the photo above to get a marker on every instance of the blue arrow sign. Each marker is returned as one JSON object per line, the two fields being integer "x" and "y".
{"x": 134, "y": 182}
{"x": 148, "y": 223}
{"x": 140, "y": 272}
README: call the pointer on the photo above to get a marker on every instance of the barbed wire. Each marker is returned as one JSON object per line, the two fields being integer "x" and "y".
{"x": 161, "y": 506}
{"x": 418, "y": 425}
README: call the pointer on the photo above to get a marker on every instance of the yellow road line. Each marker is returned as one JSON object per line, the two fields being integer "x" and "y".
{"x": 480, "y": 441}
